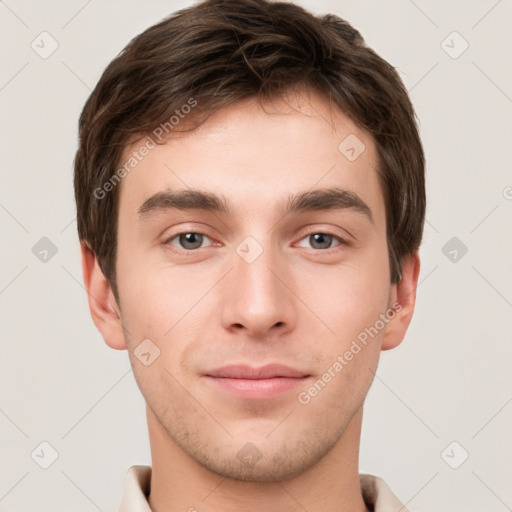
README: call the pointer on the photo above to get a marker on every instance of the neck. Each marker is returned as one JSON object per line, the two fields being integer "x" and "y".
{"x": 179, "y": 483}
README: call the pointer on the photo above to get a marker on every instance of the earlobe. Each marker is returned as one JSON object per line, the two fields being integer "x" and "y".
{"x": 403, "y": 302}
{"x": 102, "y": 304}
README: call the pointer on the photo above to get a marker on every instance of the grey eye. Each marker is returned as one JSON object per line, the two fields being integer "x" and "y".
{"x": 320, "y": 240}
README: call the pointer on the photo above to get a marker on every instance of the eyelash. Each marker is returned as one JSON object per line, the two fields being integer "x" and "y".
{"x": 342, "y": 242}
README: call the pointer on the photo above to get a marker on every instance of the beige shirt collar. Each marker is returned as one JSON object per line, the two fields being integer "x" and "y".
{"x": 375, "y": 491}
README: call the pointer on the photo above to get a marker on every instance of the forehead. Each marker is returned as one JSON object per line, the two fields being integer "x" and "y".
{"x": 255, "y": 154}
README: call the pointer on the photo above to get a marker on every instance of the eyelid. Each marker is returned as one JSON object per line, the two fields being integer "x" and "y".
{"x": 327, "y": 229}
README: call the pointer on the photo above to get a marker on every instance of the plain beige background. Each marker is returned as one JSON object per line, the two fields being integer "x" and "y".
{"x": 448, "y": 382}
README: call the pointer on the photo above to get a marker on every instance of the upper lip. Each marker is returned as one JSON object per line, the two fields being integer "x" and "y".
{"x": 269, "y": 371}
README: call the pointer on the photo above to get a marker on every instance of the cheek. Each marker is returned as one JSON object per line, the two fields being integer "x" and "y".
{"x": 349, "y": 354}
{"x": 347, "y": 298}
{"x": 166, "y": 304}
{"x": 150, "y": 289}
{"x": 154, "y": 307}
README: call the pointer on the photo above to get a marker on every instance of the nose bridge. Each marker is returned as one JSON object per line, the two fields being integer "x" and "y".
{"x": 258, "y": 300}
{"x": 254, "y": 261}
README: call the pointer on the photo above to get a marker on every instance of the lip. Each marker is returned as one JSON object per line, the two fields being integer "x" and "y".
{"x": 256, "y": 383}
{"x": 243, "y": 371}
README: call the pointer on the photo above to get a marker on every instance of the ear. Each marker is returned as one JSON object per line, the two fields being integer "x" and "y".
{"x": 105, "y": 312}
{"x": 403, "y": 299}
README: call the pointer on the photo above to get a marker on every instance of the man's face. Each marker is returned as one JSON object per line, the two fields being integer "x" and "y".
{"x": 255, "y": 285}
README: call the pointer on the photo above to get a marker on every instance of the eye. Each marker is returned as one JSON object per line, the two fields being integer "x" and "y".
{"x": 322, "y": 241}
{"x": 188, "y": 241}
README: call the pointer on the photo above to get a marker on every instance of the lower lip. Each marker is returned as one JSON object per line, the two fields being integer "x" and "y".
{"x": 257, "y": 389}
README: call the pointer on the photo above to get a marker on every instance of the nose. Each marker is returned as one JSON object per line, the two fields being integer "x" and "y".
{"x": 258, "y": 297}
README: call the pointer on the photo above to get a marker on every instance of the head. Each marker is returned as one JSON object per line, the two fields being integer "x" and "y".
{"x": 250, "y": 189}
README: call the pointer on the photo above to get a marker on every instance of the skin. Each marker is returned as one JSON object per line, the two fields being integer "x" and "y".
{"x": 298, "y": 304}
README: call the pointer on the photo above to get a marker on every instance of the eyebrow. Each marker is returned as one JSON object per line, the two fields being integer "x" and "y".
{"x": 308, "y": 201}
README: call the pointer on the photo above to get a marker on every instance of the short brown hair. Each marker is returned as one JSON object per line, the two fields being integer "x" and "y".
{"x": 222, "y": 51}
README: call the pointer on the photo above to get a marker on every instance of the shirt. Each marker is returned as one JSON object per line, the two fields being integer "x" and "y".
{"x": 376, "y": 492}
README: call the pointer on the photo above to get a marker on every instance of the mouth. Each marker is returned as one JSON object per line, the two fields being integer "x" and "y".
{"x": 256, "y": 383}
